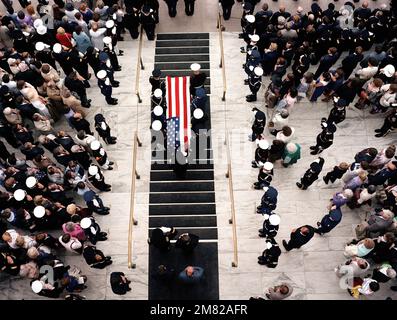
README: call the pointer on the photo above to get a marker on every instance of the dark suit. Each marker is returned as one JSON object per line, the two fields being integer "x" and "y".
{"x": 298, "y": 239}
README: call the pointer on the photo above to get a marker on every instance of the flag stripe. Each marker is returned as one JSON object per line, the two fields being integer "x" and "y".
{"x": 169, "y": 102}
{"x": 185, "y": 122}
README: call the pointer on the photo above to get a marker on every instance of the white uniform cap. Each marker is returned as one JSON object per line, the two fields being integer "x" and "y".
{"x": 41, "y": 30}
{"x": 39, "y": 212}
{"x": 195, "y": 67}
{"x": 158, "y": 110}
{"x": 57, "y": 48}
{"x": 345, "y": 12}
{"x": 198, "y": 113}
{"x": 37, "y": 286}
{"x": 39, "y": 46}
{"x": 93, "y": 170}
{"x": 268, "y": 166}
{"x": 158, "y": 93}
{"x": 19, "y": 194}
{"x": 107, "y": 40}
{"x": 101, "y": 74}
{"x": 389, "y": 70}
{"x": 37, "y": 23}
{"x": 250, "y": 18}
{"x": 31, "y": 182}
{"x": 254, "y": 37}
{"x": 109, "y": 24}
{"x": 95, "y": 145}
{"x": 258, "y": 71}
{"x": 299, "y": 10}
{"x": 263, "y": 144}
{"x": 268, "y": 245}
{"x": 156, "y": 125}
{"x": 85, "y": 223}
{"x": 274, "y": 220}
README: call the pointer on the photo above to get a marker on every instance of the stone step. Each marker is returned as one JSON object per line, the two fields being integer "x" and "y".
{"x": 190, "y": 175}
{"x": 181, "y": 57}
{"x": 184, "y": 50}
{"x": 182, "y": 43}
{"x": 193, "y": 221}
{"x": 179, "y": 65}
{"x": 158, "y": 166}
{"x": 181, "y": 186}
{"x": 182, "y": 209}
{"x": 204, "y": 234}
{"x": 176, "y": 36}
{"x": 182, "y": 197}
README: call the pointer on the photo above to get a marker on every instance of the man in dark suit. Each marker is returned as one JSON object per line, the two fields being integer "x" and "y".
{"x": 299, "y": 237}
{"x": 227, "y": 8}
{"x": 327, "y": 61}
{"x": 189, "y": 7}
{"x": 350, "y": 62}
{"x": 171, "y": 7}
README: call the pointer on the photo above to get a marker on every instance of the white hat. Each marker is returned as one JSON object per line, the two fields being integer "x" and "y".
{"x": 158, "y": 93}
{"x": 157, "y": 125}
{"x": 345, "y": 12}
{"x": 109, "y": 24}
{"x": 101, "y": 74}
{"x": 263, "y": 144}
{"x": 254, "y": 37}
{"x": 7, "y": 111}
{"x": 93, "y": 170}
{"x": 274, "y": 220}
{"x": 31, "y": 182}
{"x": 299, "y": 9}
{"x": 268, "y": 166}
{"x": 85, "y": 223}
{"x": 250, "y": 18}
{"x": 57, "y": 48}
{"x": 198, "y": 113}
{"x": 158, "y": 111}
{"x": 39, "y": 46}
{"x": 37, "y": 286}
{"x": 107, "y": 40}
{"x": 39, "y": 212}
{"x": 41, "y": 29}
{"x": 95, "y": 145}
{"x": 268, "y": 245}
{"x": 258, "y": 71}
{"x": 37, "y": 23}
{"x": 195, "y": 67}
{"x": 389, "y": 70}
{"x": 19, "y": 194}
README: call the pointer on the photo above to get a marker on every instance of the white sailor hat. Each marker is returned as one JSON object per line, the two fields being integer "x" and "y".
{"x": 254, "y": 37}
{"x": 268, "y": 166}
{"x": 198, "y": 113}
{"x": 37, "y": 286}
{"x": 389, "y": 70}
{"x": 95, "y": 145}
{"x": 268, "y": 245}
{"x": 250, "y": 18}
{"x": 39, "y": 212}
{"x": 109, "y": 24}
{"x": 107, "y": 40}
{"x": 85, "y": 223}
{"x": 158, "y": 93}
{"x": 101, "y": 74}
{"x": 31, "y": 182}
{"x": 57, "y": 48}
{"x": 19, "y": 194}
{"x": 274, "y": 220}
{"x": 37, "y": 23}
{"x": 263, "y": 144}
{"x": 258, "y": 71}
{"x": 93, "y": 169}
{"x": 195, "y": 67}
{"x": 41, "y": 29}
{"x": 39, "y": 46}
{"x": 158, "y": 111}
{"x": 157, "y": 125}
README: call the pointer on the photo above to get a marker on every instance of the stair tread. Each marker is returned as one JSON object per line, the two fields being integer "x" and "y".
{"x": 201, "y": 221}
{"x": 204, "y": 234}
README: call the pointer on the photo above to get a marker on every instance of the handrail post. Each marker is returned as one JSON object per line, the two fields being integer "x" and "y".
{"x": 232, "y": 219}
{"x": 132, "y": 221}
{"x": 139, "y": 66}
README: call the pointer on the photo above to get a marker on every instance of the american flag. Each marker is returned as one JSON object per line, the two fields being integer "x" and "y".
{"x": 178, "y": 112}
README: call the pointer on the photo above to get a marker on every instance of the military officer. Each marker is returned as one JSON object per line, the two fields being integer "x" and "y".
{"x": 311, "y": 174}
{"x": 197, "y": 79}
{"x": 106, "y": 87}
{"x": 270, "y": 226}
{"x": 325, "y": 138}
{"x": 255, "y": 83}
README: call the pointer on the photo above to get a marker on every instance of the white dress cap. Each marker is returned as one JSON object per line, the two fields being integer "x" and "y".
{"x": 156, "y": 125}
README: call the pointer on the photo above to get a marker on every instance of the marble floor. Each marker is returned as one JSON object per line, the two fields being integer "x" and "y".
{"x": 309, "y": 270}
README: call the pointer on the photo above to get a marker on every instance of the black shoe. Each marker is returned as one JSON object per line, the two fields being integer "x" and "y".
{"x": 110, "y": 168}
{"x": 246, "y": 82}
{"x": 318, "y": 224}
{"x": 325, "y": 180}
{"x": 111, "y": 163}
{"x": 314, "y": 152}
{"x": 115, "y": 85}
{"x": 285, "y": 245}
{"x": 299, "y": 185}
{"x": 393, "y": 288}
{"x": 112, "y": 102}
{"x": 312, "y": 148}
{"x": 380, "y": 135}
{"x": 117, "y": 68}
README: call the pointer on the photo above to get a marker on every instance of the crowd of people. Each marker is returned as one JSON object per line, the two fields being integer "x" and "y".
{"x": 355, "y": 54}
{"x": 51, "y": 181}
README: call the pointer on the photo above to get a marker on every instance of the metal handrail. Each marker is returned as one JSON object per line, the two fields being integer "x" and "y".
{"x": 232, "y": 219}
{"x": 222, "y": 63}
{"x": 139, "y": 66}
{"x": 132, "y": 221}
